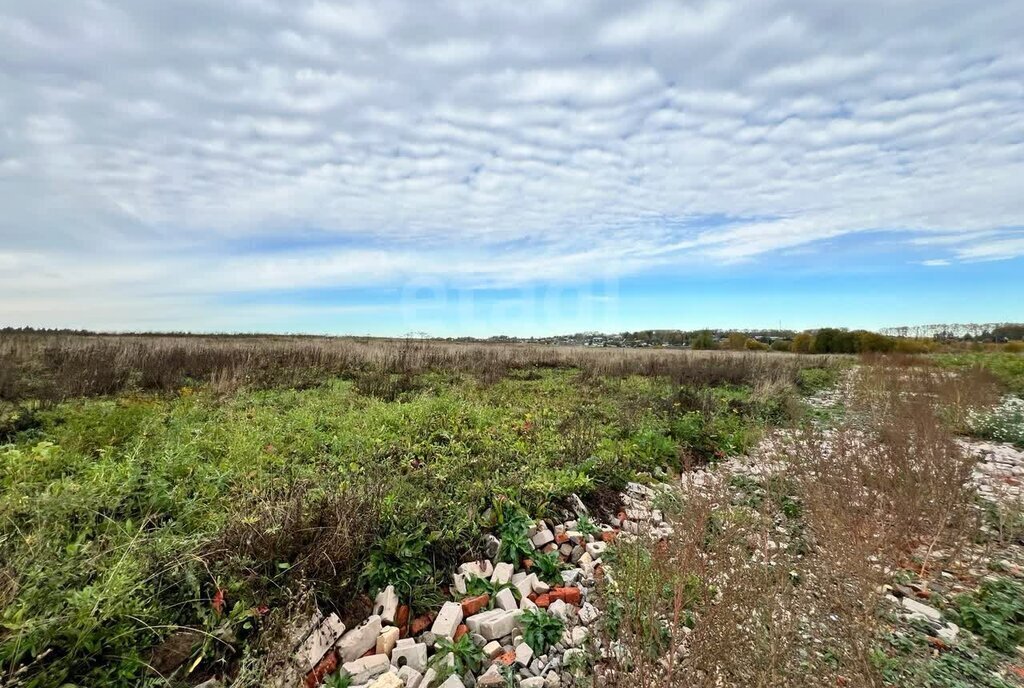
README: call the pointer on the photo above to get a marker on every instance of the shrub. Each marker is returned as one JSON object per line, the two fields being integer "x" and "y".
{"x": 995, "y": 612}
{"x": 541, "y": 630}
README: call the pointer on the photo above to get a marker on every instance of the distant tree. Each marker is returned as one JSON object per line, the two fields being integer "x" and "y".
{"x": 873, "y": 342}
{"x": 781, "y": 345}
{"x": 736, "y": 341}
{"x": 829, "y": 340}
{"x": 754, "y": 345}
{"x": 803, "y": 343}
{"x": 703, "y": 340}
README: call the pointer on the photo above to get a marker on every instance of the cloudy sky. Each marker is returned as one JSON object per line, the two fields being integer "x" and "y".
{"x": 471, "y": 167}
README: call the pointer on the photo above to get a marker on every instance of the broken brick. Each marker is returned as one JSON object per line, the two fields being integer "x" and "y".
{"x": 422, "y": 623}
{"x": 473, "y": 605}
{"x": 325, "y": 666}
{"x": 460, "y": 631}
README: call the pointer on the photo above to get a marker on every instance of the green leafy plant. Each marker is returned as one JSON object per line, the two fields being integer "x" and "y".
{"x": 541, "y": 629}
{"x": 548, "y": 567}
{"x": 995, "y": 612}
{"x": 340, "y": 679}
{"x": 512, "y": 523}
{"x": 465, "y": 655}
{"x": 587, "y": 526}
{"x": 476, "y": 586}
{"x": 400, "y": 559}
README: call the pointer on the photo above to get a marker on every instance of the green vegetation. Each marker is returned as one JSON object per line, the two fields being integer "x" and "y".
{"x": 127, "y": 519}
{"x": 907, "y": 661}
{"x": 995, "y": 612}
{"x": 541, "y": 630}
{"x": 1007, "y": 367}
{"x": 465, "y": 656}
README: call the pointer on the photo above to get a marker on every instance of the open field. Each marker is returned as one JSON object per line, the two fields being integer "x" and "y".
{"x": 170, "y": 505}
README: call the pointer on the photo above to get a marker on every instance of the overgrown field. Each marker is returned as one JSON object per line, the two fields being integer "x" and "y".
{"x": 122, "y": 516}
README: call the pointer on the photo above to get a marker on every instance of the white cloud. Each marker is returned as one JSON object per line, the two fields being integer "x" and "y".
{"x": 494, "y": 144}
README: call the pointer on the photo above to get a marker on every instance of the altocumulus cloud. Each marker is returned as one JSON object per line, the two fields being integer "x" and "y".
{"x": 157, "y": 155}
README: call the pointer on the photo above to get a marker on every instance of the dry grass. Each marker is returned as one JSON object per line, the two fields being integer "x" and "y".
{"x": 782, "y": 572}
{"x": 55, "y": 367}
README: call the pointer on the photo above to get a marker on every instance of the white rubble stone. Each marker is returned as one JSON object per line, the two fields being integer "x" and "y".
{"x": 540, "y": 587}
{"x": 356, "y": 642}
{"x": 476, "y": 620}
{"x": 596, "y": 549}
{"x": 388, "y": 680}
{"x": 579, "y": 636}
{"x": 506, "y": 600}
{"x": 429, "y": 676}
{"x": 526, "y": 604}
{"x": 491, "y": 678}
{"x": 448, "y": 620}
{"x": 324, "y": 634}
{"x": 386, "y": 605}
{"x": 552, "y": 680}
{"x": 386, "y": 640}
{"x": 410, "y": 677}
{"x": 480, "y": 569}
{"x": 492, "y": 649}
{"x": 502, "y": 573}
{"x": 542, "y": 539}
{"x": 948, "y": 632}
{"x": 532, "y": 682}
{"x": 516, "y": 577}
{"x": 459, "y": 581}
{"x": 524, "y": 653}
{"x": 414, "y": 656}
{"x": 586, "y": 562}
{"x": 499, "y": 625}
{"x": 366, "y": 668}
{"x": 588, "y": 614}
{"x": 526, "y": 584}
{"x": 570, "y": 576}
{"x": 560, "y": 609}
{"x": 453, "y": 681}
{"x": 915, "y": 607}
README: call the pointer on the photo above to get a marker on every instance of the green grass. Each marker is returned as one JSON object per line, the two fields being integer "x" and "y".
{"x": 113, "y": 512}
{"x": 1007, "y": 367}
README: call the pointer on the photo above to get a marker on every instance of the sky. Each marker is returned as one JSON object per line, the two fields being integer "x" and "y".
{"x": 478, "y": 168}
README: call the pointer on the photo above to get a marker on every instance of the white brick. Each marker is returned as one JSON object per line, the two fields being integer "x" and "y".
{"x": 414, "y": 655}
{"x": 506, "y": 600}
{"x": 524, "y": 653}
{"x": 386, "y": 640}
{"x": 502, "y": 573}
{"x": 356, "y": 642}
{"x": 367, "y": 668}
{"x": 542, "y": 538}
{"x": 410, "y": 677}
{"x": 525, "y": 584}
{"x": 386, "y": 605}
{"x": 322, "y": 638}
{"x": 448, "y": 619}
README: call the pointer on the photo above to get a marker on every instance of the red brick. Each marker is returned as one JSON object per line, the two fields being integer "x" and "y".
{"x": 402, "y": 620}
{"x": 422, "y": 623}
{"x": 543, "y": 601}
{"x": 473, "y": 605}
{"x": 460, "y": 631}
{"x": 571, "y": 596}
{"x": 561, "y": 538}
{"x": 326, "y": 666}
{"x": 609, "y": 535}
{"x": 508, "y": 659}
